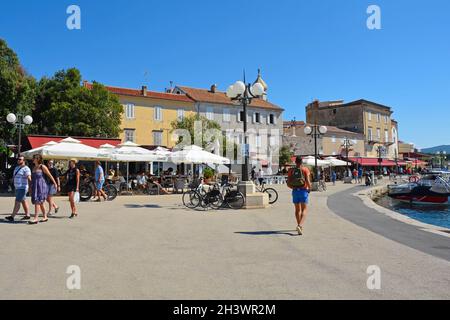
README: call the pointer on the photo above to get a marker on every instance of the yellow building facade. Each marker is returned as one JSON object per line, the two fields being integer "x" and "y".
{"x": 148, "y": 115}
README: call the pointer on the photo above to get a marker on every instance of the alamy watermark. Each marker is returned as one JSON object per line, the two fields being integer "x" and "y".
{"x": 374, "y": 20}
{"x": 262, "y": 144}
{"x": 374, "y": 279}
{"x": 73, "y": 22}
{"x": 73, "y": 281}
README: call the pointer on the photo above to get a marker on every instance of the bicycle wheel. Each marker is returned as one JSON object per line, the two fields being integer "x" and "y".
{"x": 235, "y": 200}
{"x": 273, "y": 195}
{"x": 191, "y": 199}
{"x": 111, "y": 192}
{"x": 215, "y": 199}
{"x": 86, "y": 192}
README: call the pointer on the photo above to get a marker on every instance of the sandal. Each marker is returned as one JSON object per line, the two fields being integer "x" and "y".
{"x": 73, "y": 215}
{"x": 44, "y": 220}
{"x": 33, "y": 222}
{"x": 56, "y": 210}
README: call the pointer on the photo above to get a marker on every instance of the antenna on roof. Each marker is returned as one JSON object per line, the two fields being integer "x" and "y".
{"x": 244, "y": 77}
{"x": 147, "y": 77}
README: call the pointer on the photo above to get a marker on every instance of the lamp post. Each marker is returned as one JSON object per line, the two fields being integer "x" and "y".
{"x": 19, "y": 121}
{"x": 442, "y": 156}
{"x": 316, "y": 132}
{"x": 244, "y": 94}
{"x": 347, "y": 145}
{"x": 380, "y": 151}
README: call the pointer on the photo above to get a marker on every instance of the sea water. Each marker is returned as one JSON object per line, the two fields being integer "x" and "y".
{"x": 438, "y": 215}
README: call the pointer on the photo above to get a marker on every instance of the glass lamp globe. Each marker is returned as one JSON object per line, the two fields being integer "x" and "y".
{"x": 239, "y": 88}
{"x": 28, "y": 120}
{"x": 323, "y": 129}
{"x": 11, "y": 118}
{"x": 308, "y": 130}
{"x": 230, "y": 92}
{"x": 257, "y": 89}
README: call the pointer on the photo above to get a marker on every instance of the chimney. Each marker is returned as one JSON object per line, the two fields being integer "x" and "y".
{"x": 144, "y": 91}
{"x": 213, "y": 88}
{"x": 85, "y": 82}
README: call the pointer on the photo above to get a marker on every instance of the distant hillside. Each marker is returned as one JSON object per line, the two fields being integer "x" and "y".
{"x": 433, "y": 150}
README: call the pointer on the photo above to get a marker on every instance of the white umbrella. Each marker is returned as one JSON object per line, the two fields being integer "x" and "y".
{"x": 310, "y": 161}
{"x": 30, "y": 153}
{"x": 195, "y": 155}
{"x": 336, "y": 162}
{"x": 71, "y": 148}
{"x": 132, "y": 152}
{"x": 161, "y": 151}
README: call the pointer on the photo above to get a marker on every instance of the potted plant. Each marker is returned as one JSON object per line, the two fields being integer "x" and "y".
{"x": 208, "y": 174}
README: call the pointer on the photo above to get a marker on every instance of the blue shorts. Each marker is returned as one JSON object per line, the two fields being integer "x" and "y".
{"x": 300, "y": 196}
{"x": 21, "y": 195}
{"x": 99, "y": 185}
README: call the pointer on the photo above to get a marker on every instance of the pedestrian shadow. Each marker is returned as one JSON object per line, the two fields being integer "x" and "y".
{"x": 3, "y": 221}
{"x": 142, "y": 206}
{"x": 291, "y": 233}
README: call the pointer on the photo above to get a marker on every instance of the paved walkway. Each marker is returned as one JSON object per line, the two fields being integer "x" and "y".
{"x": 153, "y": 248}
{"x": 351, "y": 207}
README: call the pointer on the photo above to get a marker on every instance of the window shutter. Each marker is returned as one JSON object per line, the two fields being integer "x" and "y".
{"x": 254, "y": 117}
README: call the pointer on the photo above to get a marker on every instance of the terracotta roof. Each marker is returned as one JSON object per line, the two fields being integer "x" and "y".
{"x": 138, "y": 93}
{"x": 204, "y": 95}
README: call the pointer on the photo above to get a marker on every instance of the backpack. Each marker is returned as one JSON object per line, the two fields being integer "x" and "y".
{"x": 297, "y": 178}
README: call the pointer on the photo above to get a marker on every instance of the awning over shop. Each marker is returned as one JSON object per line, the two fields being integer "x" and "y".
{"x": 39, "y": 141}
{"x": 372, "y": 162}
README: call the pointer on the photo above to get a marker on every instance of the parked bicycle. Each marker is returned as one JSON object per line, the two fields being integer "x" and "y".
{"x": 87, "y": 189}
{"x": 215, "y": 197}
{"x": 273, "y": 194}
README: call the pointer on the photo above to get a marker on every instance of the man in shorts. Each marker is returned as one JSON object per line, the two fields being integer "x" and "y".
{"x": 300, "y": 183}
{"x": 22, "y": 181}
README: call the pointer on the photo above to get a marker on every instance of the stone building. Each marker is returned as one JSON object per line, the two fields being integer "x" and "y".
{"x": 329, "y": 144}
{"x": 264, "y": 121}
{"x": 371, "y": 120}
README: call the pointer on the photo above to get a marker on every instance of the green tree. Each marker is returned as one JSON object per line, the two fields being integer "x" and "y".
{"x": 188, "y": 123}
{"x": 65, "y": 107}
{"x": 285, "y": 156}
{"x": 17, "y": 92}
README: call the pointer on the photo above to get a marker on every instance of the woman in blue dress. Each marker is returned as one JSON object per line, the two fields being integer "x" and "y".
{"x": 39, "y": 188}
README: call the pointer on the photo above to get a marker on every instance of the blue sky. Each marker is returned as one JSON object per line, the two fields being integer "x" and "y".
{"x": 306, "y": 49}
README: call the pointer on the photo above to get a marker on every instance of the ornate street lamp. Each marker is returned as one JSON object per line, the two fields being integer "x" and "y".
{"x": 244, "y": 94}
{"x": 316, "y": 132}
{"x": 19, "y": 121}
{"x": 380, "y": 153}
{"x": 347, "y": 145}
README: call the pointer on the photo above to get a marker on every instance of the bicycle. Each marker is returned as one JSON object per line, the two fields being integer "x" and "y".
{"x": 87, "y": 189}
{"x": 198, "y": 196}
{"x": 273, "y": 194}
{"x": 232, "y": 197}
{"x": 214, "y": 197}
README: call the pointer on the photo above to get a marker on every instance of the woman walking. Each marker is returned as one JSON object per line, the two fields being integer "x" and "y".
{"x": 73, "y": 185}
{"x": 51, "y": 188}
{"x": 39, "y": 188}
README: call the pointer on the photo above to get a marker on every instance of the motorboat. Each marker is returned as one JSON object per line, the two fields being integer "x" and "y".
{"x": 430, "y": 188}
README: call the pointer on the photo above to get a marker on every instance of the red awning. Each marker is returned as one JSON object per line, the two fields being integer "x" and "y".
{"x": 372, "y": 162}
{"x": 38, "y": 141}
